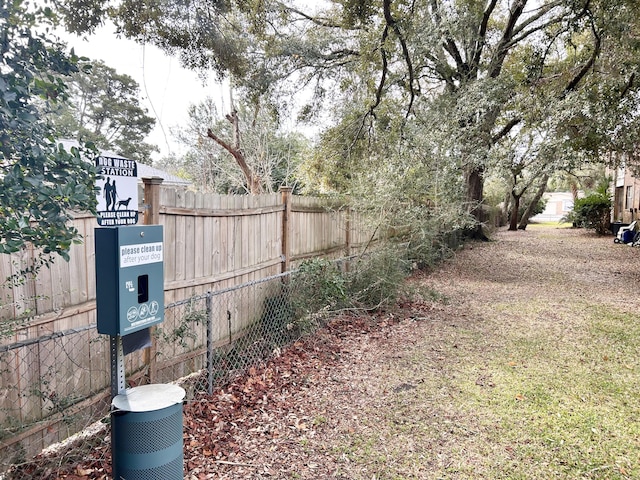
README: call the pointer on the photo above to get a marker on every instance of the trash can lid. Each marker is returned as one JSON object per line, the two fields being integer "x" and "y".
{"x": 147, "y": 398}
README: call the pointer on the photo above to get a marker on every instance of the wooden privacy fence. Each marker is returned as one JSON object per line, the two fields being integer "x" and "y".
{"x": 53, "y": 363}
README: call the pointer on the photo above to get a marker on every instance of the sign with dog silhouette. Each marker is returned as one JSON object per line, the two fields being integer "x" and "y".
{"x": 118, "y": 191}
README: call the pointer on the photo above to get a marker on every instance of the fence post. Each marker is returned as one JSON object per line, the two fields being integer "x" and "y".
{"x": 151, "y": 217}
{"x": 348, "y": 240}
{"x": 287, "y": 193}
{"x": 209, "y": 304}
{"x": 152, "y": 200}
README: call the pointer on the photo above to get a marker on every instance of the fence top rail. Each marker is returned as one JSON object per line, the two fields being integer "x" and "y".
{"x": 44, "y": 338}
{"x": 221, "y": 212}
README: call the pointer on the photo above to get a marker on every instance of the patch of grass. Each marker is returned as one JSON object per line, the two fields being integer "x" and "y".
{"x": 566, "y": 406}
{"x": 551, "y": 399}
{"x": 545, "y": 225}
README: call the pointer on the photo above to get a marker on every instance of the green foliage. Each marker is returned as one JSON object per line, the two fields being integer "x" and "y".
{"x": 104, "y": 108}
{"x": 316, "y": 285}
{"x": 375, "y": 280}
{"x": 320, "y": 287}
{"x": 592, "y": 211}
{"x": 183, "y": 331}
{"x": 372, "y": 281}
{"x": 423, "y": 96}
{"x": 40, "y": 182}
{"x": 205, "y": 35}
{"x": 586, "y": 178}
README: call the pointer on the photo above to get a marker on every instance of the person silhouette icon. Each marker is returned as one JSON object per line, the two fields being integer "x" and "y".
{"x": 107, "y": 192}
{"x": 114, "y": 196}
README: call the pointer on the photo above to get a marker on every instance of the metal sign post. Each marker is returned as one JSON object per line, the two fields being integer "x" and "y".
{"x": 118, "y": 385}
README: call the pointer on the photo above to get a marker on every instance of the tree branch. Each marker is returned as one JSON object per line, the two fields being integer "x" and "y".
{"x": 449, "y": 45}
{"x": 317, "y": 21}
{"x": 233, "y": 120}
{"x": 503, "y": 46}
{"x": 405, "y": 51}
{"x": 385, "y": 67}
{"x": 628, "y": 86}
{"x": 482, "y": 33}
{"x": 587, "y": 66}
{"x": 542, "y": 11}
{"x": 504, "y": 131}
{"x": 253, "y": 182}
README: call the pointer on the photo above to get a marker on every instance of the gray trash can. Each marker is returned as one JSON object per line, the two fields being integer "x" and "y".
{"x": 146, "y": 433}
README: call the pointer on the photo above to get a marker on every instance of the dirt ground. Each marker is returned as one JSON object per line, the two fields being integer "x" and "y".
{"x": 373, "y": 397}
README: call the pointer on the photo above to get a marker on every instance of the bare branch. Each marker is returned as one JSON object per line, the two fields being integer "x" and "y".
{"x": 233, "y": 120}
{"x": 253, "y": 182}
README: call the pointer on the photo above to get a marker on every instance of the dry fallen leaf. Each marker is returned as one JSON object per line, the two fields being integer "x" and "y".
{"x": 84, "y": 472}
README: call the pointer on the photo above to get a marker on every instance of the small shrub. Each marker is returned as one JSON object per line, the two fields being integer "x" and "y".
{"x": 317, "y": 284}
{"x": 592, "y": 212}
{"x": 376, "y": 280}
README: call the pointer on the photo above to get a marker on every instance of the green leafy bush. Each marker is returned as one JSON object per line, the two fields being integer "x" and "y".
{"x": 317, "y": 284}
{"x": 592, "y": 211}
{"x": 375, "y": 280}
{"x": 321, "y": 286}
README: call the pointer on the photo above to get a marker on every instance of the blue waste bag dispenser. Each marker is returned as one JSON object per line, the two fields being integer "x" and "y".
{"x": 129, "y": 278}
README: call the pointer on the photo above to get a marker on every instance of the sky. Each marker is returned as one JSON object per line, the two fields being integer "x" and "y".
{"x": 166, "y": 88}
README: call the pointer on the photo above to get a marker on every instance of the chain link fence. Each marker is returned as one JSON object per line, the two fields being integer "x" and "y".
{"x": 219, "y": 335}
{"x": 205, "y": 341}
{"x": 53, "y": 387}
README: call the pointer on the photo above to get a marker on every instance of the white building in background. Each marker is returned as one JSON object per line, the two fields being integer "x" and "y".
{"x": 559, "y": 204}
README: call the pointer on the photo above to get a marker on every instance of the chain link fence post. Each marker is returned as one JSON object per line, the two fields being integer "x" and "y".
{"x": 209, "y": 302}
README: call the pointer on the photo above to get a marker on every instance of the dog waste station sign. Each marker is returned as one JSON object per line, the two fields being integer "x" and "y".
{"x": 118, "y": 191}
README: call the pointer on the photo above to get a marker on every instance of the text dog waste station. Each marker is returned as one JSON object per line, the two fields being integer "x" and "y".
{"x": 146, "y": 421}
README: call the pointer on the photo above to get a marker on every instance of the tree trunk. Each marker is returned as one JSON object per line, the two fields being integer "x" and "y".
{"x": 504, "y": 210}
{"x": 254, "y": 183}
{"x": 475, "y": 191}
{"x": 524, "y": 221}
{"x": 515, "y": 206}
